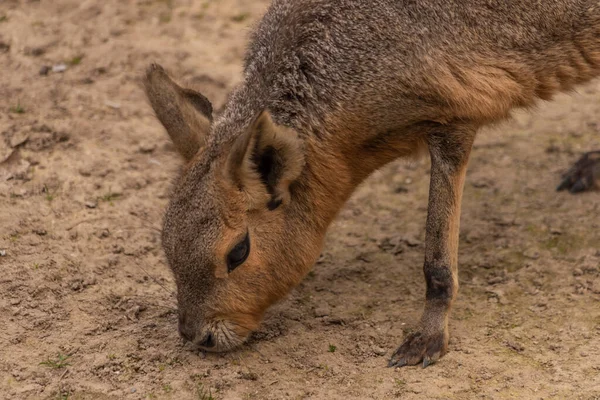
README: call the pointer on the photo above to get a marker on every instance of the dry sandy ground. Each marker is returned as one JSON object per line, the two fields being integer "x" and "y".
{"x": 86, "y": 305}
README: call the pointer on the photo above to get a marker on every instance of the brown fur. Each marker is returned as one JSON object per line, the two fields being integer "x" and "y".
{"x": 332, "y": 90}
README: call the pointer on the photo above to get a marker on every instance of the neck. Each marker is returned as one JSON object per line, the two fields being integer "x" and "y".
{"x": 324, "y": 186}
{"x": 337, "y": 162}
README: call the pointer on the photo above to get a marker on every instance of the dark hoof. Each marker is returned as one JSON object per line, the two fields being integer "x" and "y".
{"x": 583, "y": 175}
{"x": 419, "y": 348}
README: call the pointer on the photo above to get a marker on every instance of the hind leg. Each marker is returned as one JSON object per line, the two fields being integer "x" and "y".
{"x": 583, "y": 175}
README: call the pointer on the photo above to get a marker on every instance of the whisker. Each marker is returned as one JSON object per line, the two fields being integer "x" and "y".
{"x": 172, "y": 294}
{"x": 150, "y": 223}
{"x": 104, "y": 218}
{"x": 151, "y": 303}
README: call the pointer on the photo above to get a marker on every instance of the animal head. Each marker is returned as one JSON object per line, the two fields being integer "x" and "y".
{"x": 235, "y": 234}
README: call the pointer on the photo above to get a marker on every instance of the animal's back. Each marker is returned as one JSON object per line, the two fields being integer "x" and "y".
{"x": 434, "y": 60}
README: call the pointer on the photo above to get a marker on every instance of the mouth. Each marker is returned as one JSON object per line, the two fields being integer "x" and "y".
{"x": 219, "y": 336}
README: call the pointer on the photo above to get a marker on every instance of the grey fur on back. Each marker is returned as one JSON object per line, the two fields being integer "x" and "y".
{"x": 382, "y": 59}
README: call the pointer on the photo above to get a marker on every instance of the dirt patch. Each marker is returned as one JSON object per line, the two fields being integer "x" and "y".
{"x": 87, "y": 304}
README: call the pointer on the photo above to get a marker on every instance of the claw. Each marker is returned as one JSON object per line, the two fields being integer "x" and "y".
{"x": 420, "y": 349}
{"x": 579, "y": 186}
{"x": 401, "y": 363}
{"x": 564, "y": 185}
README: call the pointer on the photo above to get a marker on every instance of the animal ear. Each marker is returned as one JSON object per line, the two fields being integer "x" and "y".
{"x": 265, "y": 160}
{"x": 185, "y": 113}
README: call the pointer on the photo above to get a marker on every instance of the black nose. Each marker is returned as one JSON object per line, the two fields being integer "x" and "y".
{"x": 208, "y": 341}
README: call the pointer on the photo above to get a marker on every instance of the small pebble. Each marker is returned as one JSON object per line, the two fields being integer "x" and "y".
{"x": 112, "y": 104}
{"x": 18, "y": 139}
{"x": 21, "y": 192}
{"x": 34, "y": 51}
{"x": 481, "y": 183}
{"x": 91, "y": 204}
{"x": 89, "y": 282}
{"x": 365, "y": 257}
{"x": 147, "y": 147}
{"x": 516, "y": 346}
{"x": 85, "y": 171}
{"x": 102, "y": 234}
{"x": 532, "y": 254}
{"x": 412, "y": 242}
{"x": 321, "y": 311}
{"x": 249, "y": 376}
{"x": 494, "y": 280}
{"x": 133, "y": 390}
{"x": 2, "y": 253}
{"x": 578, "y": 134}
{"x": 379, "y": 350}
{"x": 59, "y": 68}
{"x": 44, "y": 70}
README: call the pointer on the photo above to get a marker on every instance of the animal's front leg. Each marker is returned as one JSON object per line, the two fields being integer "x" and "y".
{"x": 449, "y": 150}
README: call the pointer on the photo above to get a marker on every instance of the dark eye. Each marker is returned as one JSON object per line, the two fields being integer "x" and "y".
{"x": 238, "y": 254}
